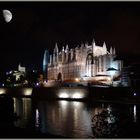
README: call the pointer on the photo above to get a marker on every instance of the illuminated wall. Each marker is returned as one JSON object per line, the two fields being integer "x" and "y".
{"x": 82, "y": 61}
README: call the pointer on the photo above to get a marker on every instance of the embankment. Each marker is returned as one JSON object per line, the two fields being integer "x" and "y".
{"x": 115, "y": 94}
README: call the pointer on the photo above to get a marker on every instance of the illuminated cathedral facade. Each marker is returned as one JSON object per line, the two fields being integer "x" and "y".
{"x": 83, "y": 62}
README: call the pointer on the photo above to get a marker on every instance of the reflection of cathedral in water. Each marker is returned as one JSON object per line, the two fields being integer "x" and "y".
{"x": 82, "y": 61}
{"x": 22, "y": 107}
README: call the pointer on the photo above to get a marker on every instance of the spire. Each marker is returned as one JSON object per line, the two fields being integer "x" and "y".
{"x": 56, "y": 48}
{"x": 104, "y": 44}
{"x": 67, "y": 48}
{"x": 104, "y": 47}
{"x": 63, "y": 54}
{"x": 67, "y": 53}
{"x": 19, "y": 66}
{"x": 111, "y": 50}
{"x": 72, "y": 54}
{"x": 63, "y": 49}
{"x": 93, "y": 42}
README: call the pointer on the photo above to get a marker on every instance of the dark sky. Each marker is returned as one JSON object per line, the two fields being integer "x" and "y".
{"x": 38, "y": 25}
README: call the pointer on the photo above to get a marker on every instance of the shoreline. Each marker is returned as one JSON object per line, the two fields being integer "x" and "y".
{"x": 101, "y": 94}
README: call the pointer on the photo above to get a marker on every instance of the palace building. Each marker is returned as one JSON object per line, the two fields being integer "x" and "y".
{"x": 85, "y": 62}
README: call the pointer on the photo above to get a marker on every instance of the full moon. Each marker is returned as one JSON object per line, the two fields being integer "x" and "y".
{"x": 7, "y": 15}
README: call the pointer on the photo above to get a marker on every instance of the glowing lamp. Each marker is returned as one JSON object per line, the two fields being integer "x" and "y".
{"x": 77, "y": 95}
{"x": 135, "y": 94}
{"x": 2, "y": 91}
{"x": 28, "y": 91}
{"x": 77, "y": 79}
{"x": 63, "y": 95}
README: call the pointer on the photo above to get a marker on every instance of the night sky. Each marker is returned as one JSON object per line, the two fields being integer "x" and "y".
{"x": 36, "y": 26}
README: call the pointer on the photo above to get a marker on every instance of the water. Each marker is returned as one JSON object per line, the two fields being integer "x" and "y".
{"x": 73, "y": 119}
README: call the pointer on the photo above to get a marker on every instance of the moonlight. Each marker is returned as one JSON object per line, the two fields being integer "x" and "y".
{"x": 7, "y": 15}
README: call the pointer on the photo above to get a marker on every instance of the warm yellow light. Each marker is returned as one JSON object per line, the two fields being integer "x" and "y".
{"x": 72, "y": 94}
{"x": 77, "y": 79}
{"x": 77, "y": 95}
{"x": 63, "y": 95}
{"x": 28, "y": 91}
{"x": 2, "y": 91}
{"x": 109, "y": 78}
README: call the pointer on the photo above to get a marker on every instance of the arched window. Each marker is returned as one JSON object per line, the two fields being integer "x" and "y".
{"x": 59, "y": 77}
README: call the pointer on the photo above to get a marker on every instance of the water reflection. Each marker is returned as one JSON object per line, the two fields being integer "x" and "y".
{"x": 66, "y": 118}
{"x": 37, "y": 118}
{"x": 73, "y": 119}
{"x": 23, "y": 108}
{"x": 135, "y": 113}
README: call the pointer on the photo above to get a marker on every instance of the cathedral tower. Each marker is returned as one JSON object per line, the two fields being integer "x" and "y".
{"x": 45, "y": 63}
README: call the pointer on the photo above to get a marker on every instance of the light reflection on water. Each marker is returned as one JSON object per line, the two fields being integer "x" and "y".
{"x": 74, "y": 119}
{"x": 37, "y": 118}
{"x": 67, "y": 118}
{"x": 23, "y": 108}
{"x": 135, "y": 113}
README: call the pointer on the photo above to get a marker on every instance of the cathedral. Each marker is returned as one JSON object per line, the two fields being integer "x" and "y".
{"x": 85, "y": 62}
